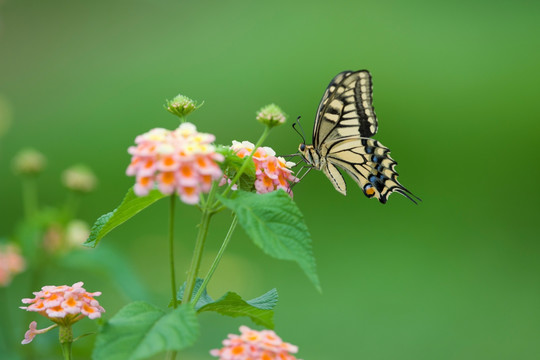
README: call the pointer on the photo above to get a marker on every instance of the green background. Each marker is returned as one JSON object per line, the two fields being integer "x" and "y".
{"x": 456, "y": 94}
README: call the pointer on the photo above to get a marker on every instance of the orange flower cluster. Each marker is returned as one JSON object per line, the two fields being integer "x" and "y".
{"x": 181, "y": 161}
{"x": 255, "y": 345}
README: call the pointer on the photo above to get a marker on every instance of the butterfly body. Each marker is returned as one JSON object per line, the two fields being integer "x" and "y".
{"x": 344, "y": 125}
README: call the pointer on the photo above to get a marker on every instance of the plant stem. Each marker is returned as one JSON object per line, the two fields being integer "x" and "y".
{"x": 216, "y": 260}
{"x": 171, "y": 250}
{"x": 29, "y": 196}
{"x": 66, "y": 350}
{"x": 199, "y": 246}
{"x": 71, "y": 205}
{"x": 246, "y": 160}
{"x": 65, "y": 335}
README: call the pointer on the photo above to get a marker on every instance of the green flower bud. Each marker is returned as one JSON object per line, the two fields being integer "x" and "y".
{"x": 79, "y": 178}
{"x": 181, "y": 106}
{"x": 77, "y": 231}
{"x": 271, "y": 115}
{"x": 29, "y": 162}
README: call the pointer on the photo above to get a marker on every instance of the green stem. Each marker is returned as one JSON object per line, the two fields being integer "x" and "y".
{"x": 71, "y": 205}
{"x": 171, "y": 250}
{"x": 246, "y": 161}
{"x": 30, "y": 202}
{"x": 66, "y": 350}
{"x": 216, "y": 260}
{"x": 65, "y": 335}
{"x": 199, "y": 246}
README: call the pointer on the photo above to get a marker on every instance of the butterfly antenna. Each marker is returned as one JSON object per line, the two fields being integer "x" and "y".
{"x": 301, "y": 128}
{"x": 302, "y": 135}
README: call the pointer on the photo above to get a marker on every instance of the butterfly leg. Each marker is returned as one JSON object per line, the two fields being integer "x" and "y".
{"x": 298, "y": 179}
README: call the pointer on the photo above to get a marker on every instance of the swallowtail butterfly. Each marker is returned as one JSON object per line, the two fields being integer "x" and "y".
{"x": 344, "y": 125}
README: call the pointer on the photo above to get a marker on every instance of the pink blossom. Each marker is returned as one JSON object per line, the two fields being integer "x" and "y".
{"x": 30, "y": 334}
{"x": 33, "y": 331}
{"x": 71, "y": 304}
{"x": 11, "y": 263}
{"x": 181, "y": 161}
{"x": 63, "y": 304}
{"x": 271, "y": 172}
{"x": 255, "y": 345}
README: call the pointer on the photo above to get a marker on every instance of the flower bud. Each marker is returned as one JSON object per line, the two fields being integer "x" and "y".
{"x": 77, "y": 232}
{"x": 181, "y": 106}
{"x": 271, "y": 115}
{"x": 79, "y": 178}
{"x": 29, "y": 162}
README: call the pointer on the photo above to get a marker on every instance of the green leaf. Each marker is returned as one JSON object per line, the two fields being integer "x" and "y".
{"x": 140, "y": 330}
{"x": 276, "y": 225}
{"x": 130, "y": 206}
{"x": 232, "y": 164}
{"x": 266, "y": 301}
{"x": 259, "y": 310}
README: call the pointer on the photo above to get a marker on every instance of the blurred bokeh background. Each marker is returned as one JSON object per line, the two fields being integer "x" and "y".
{"x": 456, "y": 94}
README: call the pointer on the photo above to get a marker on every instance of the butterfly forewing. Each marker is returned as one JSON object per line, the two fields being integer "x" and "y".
{"x": 346, "y": 108}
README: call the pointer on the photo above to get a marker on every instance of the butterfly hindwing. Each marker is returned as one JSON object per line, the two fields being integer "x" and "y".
{"x": 335, "y": 177}
{"x": 369, "y": 163}
{"x": 346, "y": 108}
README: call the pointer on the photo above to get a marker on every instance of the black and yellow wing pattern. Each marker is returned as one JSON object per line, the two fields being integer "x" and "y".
{"x": 344, "y": 125}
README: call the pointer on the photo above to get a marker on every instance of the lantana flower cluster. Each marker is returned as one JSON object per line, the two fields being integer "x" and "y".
{"x": 272, "y": 172}
{"x": 63, "y": 304}
{"x": 11, "y": 263}
{"x": 255, "y": 345}
{"x": 181, "y": 161}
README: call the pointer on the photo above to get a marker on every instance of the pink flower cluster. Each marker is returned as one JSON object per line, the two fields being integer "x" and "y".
{"x": 272, "y": 172}
{"x": 65, "y": 304}
{"x": 255, "y": 345}
{"x": 181, "y": 160}
{"x": 11, "y": 263}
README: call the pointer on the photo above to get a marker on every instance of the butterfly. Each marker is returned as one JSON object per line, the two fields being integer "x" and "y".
{"x": 344, "y": 125}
